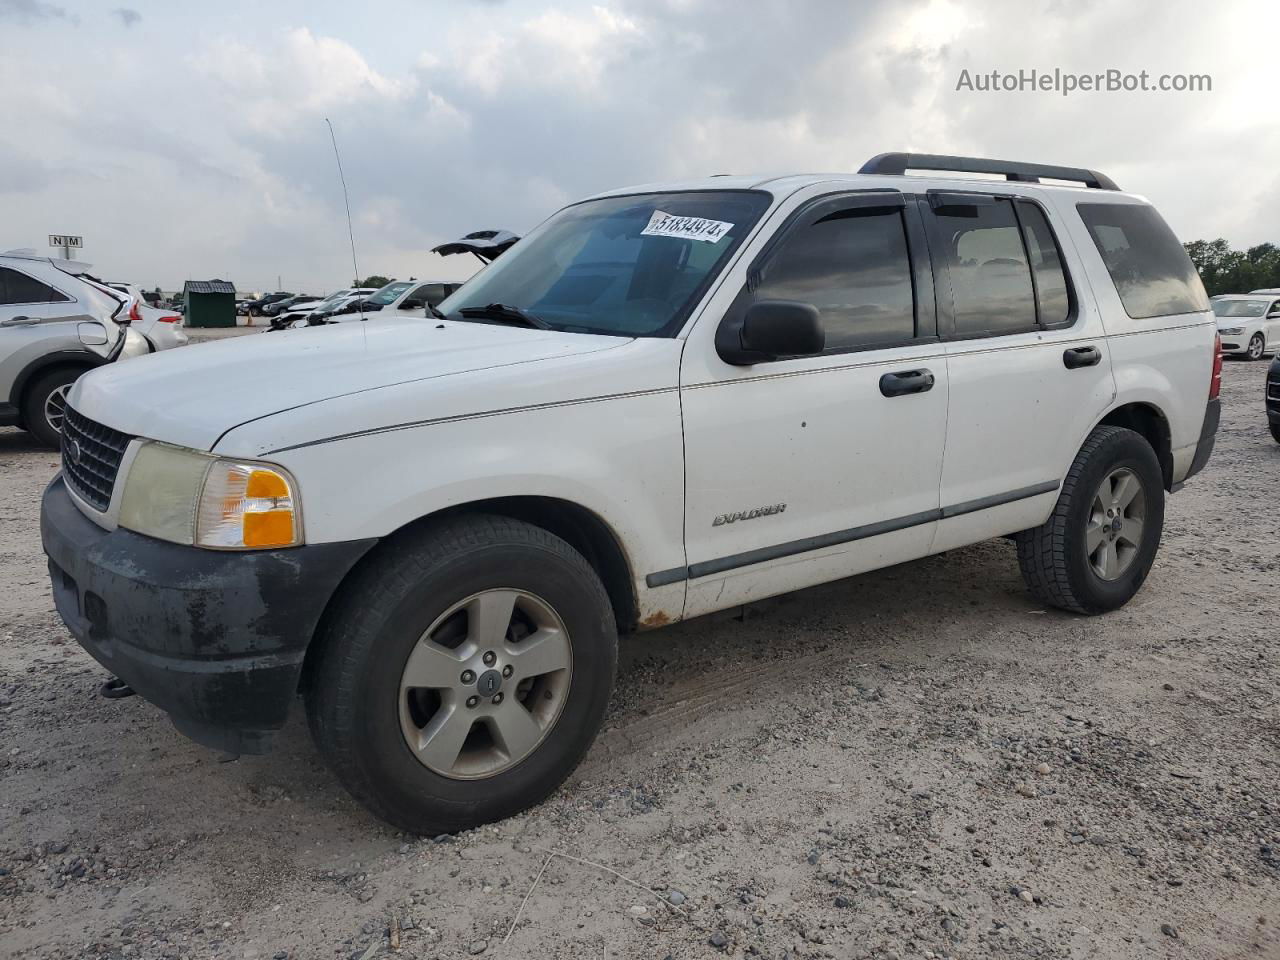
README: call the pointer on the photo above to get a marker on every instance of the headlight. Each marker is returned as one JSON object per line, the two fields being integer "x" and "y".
{"x": 1231, "y": 331}
{"x": 188, "y": 497}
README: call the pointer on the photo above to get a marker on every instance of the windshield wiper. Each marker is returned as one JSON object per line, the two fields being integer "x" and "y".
{"x": 505, "y": 313}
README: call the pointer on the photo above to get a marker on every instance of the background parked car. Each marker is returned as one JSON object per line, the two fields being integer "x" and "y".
{"x": 1248, "y": 324}
{"x": 343, "y": 307}
{"x": 274, "y": 309}
{"x": 162, "y": 328}
{"x": 56, "y": 322}
{"x": 1273, "y": 399}
{"x": 410, "y": 298}
{"x": 254, "y": 307}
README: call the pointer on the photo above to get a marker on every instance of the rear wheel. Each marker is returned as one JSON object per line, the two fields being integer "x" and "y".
{"x": 1094, "y": 552}
{"x": 464, "y": 674}
{"x": 1257, "y": 346}
{"x": 45, "y": 402}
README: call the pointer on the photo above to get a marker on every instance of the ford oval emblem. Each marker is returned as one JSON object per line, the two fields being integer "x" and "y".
{"x": 73, "y": 452}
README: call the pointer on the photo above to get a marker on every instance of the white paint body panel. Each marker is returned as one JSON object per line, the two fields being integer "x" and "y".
{"x": 382, "y": 424}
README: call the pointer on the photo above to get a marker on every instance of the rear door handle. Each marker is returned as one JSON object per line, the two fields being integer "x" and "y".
{"x": 1081, "y": 357}
{"x": 906, "y": 381}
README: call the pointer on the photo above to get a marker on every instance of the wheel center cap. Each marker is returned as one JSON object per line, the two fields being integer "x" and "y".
{"x": 490, "y": 682}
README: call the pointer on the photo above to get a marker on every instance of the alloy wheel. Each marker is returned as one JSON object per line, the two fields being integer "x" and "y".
{"x": 1256, "y": 347}
{"x": 485, "y": 684}
{"x": 1117, "y": 517}
{"x": 55, "y": 407}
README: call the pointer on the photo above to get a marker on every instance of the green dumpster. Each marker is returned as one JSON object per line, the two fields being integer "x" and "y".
{"x": 209, "y": 303}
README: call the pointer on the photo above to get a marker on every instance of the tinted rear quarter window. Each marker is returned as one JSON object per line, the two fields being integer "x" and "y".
{"x": 1151, "y": 271}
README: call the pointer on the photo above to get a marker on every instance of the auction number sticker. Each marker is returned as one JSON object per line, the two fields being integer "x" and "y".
{"x": 685, "y": 228}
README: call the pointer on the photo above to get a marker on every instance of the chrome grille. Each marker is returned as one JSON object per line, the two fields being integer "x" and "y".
{"x": 91, "y": 455}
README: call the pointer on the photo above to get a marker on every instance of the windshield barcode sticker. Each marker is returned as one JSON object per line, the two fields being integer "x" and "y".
{"x": 685, "y": 228}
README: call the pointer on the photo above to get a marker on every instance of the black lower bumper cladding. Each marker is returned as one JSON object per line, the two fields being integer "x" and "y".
{"x": 1208, "y": 437}
{"x": 214, "y": 638}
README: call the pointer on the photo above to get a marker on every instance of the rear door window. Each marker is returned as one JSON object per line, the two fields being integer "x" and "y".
{"x": 17, "y": 287}
{"x": 982, "y": 247}
{"x": 1151, "y": 271}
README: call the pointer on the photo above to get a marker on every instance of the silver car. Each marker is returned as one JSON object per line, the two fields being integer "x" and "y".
{"x": 56, "y": 322}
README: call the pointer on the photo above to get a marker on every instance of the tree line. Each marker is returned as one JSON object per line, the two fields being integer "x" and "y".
{"x": 1224, "y": 270}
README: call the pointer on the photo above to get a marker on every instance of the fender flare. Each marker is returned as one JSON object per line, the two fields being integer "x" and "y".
{"x": 59, "y": 358}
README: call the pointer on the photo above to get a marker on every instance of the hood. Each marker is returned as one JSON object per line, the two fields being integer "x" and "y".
{"x": 192, "y": 396}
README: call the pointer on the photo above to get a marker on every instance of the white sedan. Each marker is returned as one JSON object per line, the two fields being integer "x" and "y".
{"x": 161, "y": 328}
{"x": 1248, "y": 324}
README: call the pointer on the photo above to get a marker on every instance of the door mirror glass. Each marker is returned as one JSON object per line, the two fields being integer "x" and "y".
{"x": 776, "y": 328}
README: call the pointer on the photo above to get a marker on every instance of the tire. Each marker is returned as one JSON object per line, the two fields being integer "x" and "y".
{"x": 1054, "y": 557}
{"x": 1275, "y": 431}
{"x": 358, "y": 708}
{"x": 1257, "y": 347}
{"x": 39, "y": 399}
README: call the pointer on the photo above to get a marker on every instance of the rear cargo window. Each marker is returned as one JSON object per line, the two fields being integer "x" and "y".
{"x": 1152, "y": 273}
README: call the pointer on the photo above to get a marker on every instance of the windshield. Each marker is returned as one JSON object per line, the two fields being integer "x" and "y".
{"x": 332, "y": 298}
{"x": 1239, "y": 308}
{"x": 388, "y": 293}
{"x": 624, "y": 266}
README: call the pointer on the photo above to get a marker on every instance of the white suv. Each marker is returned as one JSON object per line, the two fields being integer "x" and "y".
{"x": 665, "y": 401}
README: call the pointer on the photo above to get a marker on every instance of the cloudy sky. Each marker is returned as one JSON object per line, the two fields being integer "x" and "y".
{"x": 187, "y": 140}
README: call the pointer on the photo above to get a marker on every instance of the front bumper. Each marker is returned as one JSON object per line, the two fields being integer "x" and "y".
{"x": 214, "y": 638}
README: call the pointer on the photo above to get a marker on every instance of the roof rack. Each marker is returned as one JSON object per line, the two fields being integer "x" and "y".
{"x": 896, "y": 164}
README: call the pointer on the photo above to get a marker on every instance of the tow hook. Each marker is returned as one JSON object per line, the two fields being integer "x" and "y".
{"x": 116, "y": 689}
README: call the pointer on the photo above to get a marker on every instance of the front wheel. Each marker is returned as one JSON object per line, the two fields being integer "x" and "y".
{"x": 1275, "y": 430}
{"x": 1095, "y": 550}
{"x": 45, "y": 404}
{"x": 1256, "y": 347}
{"x": 464, "y": 675}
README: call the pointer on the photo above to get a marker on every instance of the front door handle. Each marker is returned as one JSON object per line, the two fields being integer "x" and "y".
{"x": 16, "y": 321}
{"x": 1081, "y": 357}
{"x": 906, "y": 381}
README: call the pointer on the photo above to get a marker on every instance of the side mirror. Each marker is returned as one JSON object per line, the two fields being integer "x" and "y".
{"x": 770, "y": 330}
{"x": 412, "y": 304}
{"x": 1273, "y": 315}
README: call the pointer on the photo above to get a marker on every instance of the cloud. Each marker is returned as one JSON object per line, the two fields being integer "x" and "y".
{"x": 128, "y": 16}
{"x": 279, "y": 86}
{"x": 28, "y": 11}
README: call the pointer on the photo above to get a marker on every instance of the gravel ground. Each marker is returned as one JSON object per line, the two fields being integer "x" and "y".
{"x": 921, "y": 762}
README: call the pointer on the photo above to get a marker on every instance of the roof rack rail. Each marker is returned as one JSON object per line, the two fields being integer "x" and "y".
{"x": 896, "y": 164}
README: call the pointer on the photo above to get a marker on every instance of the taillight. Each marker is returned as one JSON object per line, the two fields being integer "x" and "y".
{"x": 1215, "y": 382}
{"x": 170, "y": 319}
{"x": 135, "y": 315}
